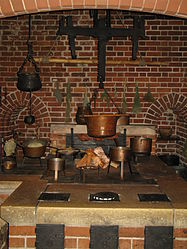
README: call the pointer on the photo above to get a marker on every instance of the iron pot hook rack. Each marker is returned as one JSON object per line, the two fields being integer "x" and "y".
{"x": 29, "y": 81}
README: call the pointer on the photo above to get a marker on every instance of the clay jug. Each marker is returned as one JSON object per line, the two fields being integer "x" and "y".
{"x": 81, "y": 111}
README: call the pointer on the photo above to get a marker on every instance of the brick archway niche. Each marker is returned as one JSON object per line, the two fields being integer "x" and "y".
{"x": 170, "y": 110}
{"x": 15, "y": 108}
{"x": 176, "y": 8}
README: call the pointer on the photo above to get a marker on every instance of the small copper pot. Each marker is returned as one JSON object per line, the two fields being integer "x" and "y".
{"x": 120, "y": 154}
{"x": 165, "y": 132}
{"x": 124, "y": 119}
{"x": 141, "y": 145}
{"x": 9, "y": 164}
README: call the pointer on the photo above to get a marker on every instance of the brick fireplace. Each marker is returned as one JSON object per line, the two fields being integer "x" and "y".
{"x": 170, "y": 111}
{"x": 164, "y": 48}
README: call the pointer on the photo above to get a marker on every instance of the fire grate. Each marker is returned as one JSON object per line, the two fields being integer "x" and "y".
{"x": 104, "y": 237}
{"x": 54, "y": 196}
{"x": 153, "y": 197}
{"x": 104, "y": 196}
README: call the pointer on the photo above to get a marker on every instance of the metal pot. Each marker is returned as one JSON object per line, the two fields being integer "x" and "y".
{"x": 30, "y": 119}
{"x": 81, "y": 112}
{"x": 56, "y": 164}
{"x": 103, "y": 125}
{"x": 34, "y": 152}
{"x": 9, "y": 164}
{"x": 120, "y": 154}
{"x": 124, "y": 119}
{"x": 165, "y": 132}
{"x": 29, "y": 82}
{"x": 141, "y": 145}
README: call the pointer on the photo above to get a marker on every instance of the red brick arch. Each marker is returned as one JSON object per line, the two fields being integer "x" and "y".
{"x": 174, "y": 101}
{"x": 15, "y": 107}
{"x": 176, "y": 8}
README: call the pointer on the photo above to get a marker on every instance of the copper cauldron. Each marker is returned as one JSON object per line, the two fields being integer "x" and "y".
{"x": 141, "y": 145}
{"x": 103, "y": 125}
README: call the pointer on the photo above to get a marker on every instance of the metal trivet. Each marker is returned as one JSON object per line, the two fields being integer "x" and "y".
{"x": 104, "y": 196}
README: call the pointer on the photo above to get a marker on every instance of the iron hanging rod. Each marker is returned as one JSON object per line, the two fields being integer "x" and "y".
{"x": 29, "y": 34}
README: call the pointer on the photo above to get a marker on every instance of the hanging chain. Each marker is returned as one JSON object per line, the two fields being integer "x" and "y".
{"x": 45, "y": 58}
{"x": 29, "y": 56}
{"x": 95, "y": 94}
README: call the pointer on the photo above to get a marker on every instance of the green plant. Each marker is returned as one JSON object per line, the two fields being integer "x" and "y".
{"x": 148, "y": 96}
{"x": 85, "y": 99}
{"x": 124, "y": 103}
{"x": 68, "y": 102}
{"x": 136, "y": 105}
{"x": 105, "y": 97}
{"x": 115, "y": 91}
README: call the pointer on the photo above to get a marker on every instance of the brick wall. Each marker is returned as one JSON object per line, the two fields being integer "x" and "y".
{"x": 78, "y": 237}
{"x": 165, "y": 43}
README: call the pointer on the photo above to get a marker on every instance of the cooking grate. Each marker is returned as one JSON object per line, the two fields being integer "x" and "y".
{"x": 104, "y": 196}
{"x": 54, "y": 196}
{"x": 153, "y": 197}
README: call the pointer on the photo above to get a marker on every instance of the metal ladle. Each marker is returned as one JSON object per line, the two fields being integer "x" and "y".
{"x": 30, "y": 119}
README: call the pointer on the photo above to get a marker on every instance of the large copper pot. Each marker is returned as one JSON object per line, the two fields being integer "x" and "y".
{"x": 141, "y": 145}
{"x": 34, "y": 152}
{"x": 120, "y": 154}
{"x": 103, "y": 125}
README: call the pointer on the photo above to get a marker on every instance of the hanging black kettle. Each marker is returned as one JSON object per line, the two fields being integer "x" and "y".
{"x": 27, "y": 81}
{"x": 30, "y": 119}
